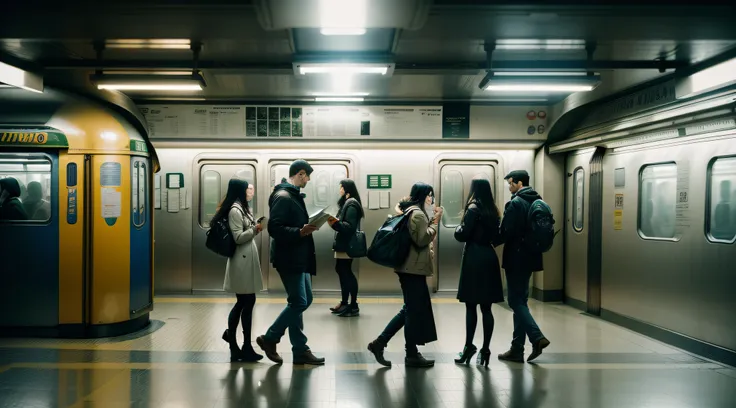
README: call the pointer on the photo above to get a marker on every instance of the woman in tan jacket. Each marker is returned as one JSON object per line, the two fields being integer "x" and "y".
{"x": 416, "y": 316}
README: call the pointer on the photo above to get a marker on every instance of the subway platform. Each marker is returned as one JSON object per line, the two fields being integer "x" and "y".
{"x": 180, "y": 361}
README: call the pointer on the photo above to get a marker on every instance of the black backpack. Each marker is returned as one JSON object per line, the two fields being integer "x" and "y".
{"x": 540, "y": 227}
{"x": 220, "y": 239}
{"x": 390, "y": 246}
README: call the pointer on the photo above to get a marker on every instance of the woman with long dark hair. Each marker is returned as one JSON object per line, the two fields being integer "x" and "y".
{"x": 416, "y": 316}
{"x": 480, "y": 272}
{"x": 243, "y": 271}
{"x": 345, "y": 225}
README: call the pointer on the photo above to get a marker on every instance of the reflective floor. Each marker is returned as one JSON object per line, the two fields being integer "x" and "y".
{"x": 180, "y": 361}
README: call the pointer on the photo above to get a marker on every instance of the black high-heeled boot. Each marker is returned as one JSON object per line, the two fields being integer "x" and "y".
{"x": 249, "y": 354}
{"x": 466, "y": 355}
{"x": 483, "y": 357}
{"x": 235, "y": 353}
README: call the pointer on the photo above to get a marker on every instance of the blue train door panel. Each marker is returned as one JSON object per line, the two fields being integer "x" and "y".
{"x": 29, "y": 240}
{"x": 141, "y": 293}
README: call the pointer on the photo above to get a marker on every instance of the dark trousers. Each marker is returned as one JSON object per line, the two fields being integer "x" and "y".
{"x": 471, "y": 322}
{"x": 243, "y": 311}
{"x": 518, "y": 298}
{"x": 348, "y": 281}
{"x": 416, "y": 316}
{"x": 299, "y": 296}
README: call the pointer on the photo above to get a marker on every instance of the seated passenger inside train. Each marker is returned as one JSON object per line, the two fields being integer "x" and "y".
{"x": 36, "y": 207}
{"x": 11, "y": 208}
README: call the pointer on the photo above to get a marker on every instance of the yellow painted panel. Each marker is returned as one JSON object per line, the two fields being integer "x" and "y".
{"x": 110, "y": 243}
{"x": 71, "y": 251}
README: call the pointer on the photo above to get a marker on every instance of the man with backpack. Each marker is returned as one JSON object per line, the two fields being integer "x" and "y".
{"x": 295, "y": 260}
{"x": 527, "y": 229}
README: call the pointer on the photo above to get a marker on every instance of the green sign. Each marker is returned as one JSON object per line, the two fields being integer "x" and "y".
{"x": 138, "y": 146}
{"x": 33, "y": 138}
{"x": 379, "y": 181}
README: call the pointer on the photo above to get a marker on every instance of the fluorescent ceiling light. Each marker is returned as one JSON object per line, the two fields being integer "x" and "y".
{"x": 381, "y": 69}
{"x": 532, "y": 44}
{"x": 342, "y": 31}
{"x": 540, "y": 88}
{"x": 19, "y": 78}
{"x": 172, "y": 44}
{"x": 141, "y": 82}
{"x": 339, "y": 99}
{"x": 542, "y": 83}
{"x": 346, "y": 94}
{"x": 150, "y": 87}
{"x": 540, "y": 73}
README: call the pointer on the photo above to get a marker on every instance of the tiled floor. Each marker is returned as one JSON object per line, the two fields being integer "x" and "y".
{"x": 180, "y": 361}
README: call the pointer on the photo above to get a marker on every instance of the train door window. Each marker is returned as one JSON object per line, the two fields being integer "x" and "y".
{"x": 578, "y": 191}
{"x": 139, "y": 193}
{"x": 451, "y": 196}
{"x": 657, "y": 201}
{"x": 323, "y": 189}
{"x": 249, "y": 174}
{"x": 211, "y": 195}
{"x": 721, "y": 210}
{"x": 28, "y": 196}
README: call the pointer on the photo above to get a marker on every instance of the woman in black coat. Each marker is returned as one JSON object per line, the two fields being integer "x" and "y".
{"x": 345, "y": 226}
{"x": 480, "y": 272}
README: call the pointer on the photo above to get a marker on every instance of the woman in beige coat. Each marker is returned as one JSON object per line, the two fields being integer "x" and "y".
{"x": 416, "y": 316}
{"x": 243, "y": 271}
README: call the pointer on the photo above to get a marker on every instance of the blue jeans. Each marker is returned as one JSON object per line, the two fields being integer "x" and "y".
{"x": 299, "y": 296}
{"x": 524, "y": 324}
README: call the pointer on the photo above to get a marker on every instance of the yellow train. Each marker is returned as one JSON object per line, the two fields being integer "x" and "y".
{"x": 76, "y": 217}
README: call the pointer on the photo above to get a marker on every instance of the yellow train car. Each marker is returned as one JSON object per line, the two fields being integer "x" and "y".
{"x": 76, "y": 217}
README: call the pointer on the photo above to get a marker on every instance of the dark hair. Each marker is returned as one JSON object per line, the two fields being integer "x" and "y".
{"x": 482, "y": 196}
{"x": 299, "y": 165}
{"x": 235, "y": 194}
{"x": 519, "y": 176}
{"x": 351, "y": 189}
{"x": 419, "y": 193}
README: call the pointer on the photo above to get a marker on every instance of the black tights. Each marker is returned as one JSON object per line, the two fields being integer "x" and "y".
{"x": 471, "y": 320}
{"x": 243, "y": 311}
{"x": 348, "y": 281}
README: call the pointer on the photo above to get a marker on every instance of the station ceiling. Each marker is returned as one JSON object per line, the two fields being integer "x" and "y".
{"x": 438, "y": 47}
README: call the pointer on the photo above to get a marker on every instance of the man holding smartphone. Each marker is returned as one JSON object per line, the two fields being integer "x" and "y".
{"x": 295, "y": 260}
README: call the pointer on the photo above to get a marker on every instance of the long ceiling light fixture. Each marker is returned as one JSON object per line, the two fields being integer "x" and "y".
{"x": 534, "y": 44}
{"x": 149, "y": 82}
{"x": 540, "y": 83}
{"x": 158, "y": 44}
{"x": 343, "y": 68}
{"x": 20, "y": 78}
{"x": 339, "y": 99}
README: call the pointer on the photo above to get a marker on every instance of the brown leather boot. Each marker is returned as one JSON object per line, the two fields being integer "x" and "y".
{"x": 376, "y": 347}
{"x": 308, "y": 358}
{"x": 269, "y": 348}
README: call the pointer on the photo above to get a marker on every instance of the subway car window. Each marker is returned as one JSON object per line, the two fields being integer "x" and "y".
{"x": 722, "y": 197}
{"x": 657, "y": 200}
{"x": 578, "y": 193}
{"x": 28, "y": 196}
{"x": 452, "y": 198}
{"x": 211, "y": 196}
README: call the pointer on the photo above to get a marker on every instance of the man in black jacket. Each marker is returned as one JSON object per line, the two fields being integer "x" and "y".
{"x": 295, "y": 260}
{"x": 519, "y": 263}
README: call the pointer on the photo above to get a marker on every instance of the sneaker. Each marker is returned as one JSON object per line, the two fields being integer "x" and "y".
{"x": 513, "y": 356}
{"x": 418, "y": 360}
{"x": 537, "y": 348}
{"x": 376, "y": 348}
{"x": 350, "y": 311}
{"x": 269, "y": 348}
{"x": 308, "y": 358}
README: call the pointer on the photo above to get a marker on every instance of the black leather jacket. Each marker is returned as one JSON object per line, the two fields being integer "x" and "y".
{"x": 349, "y": 221}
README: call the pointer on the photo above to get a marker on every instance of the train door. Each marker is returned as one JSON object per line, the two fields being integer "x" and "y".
{"x": 322, "y": 191}
{"x": 455, "y": 178}
{"x": 576, "y": 228}
{"x": 208, "y": 268}
{"x": 29, "y": 240}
